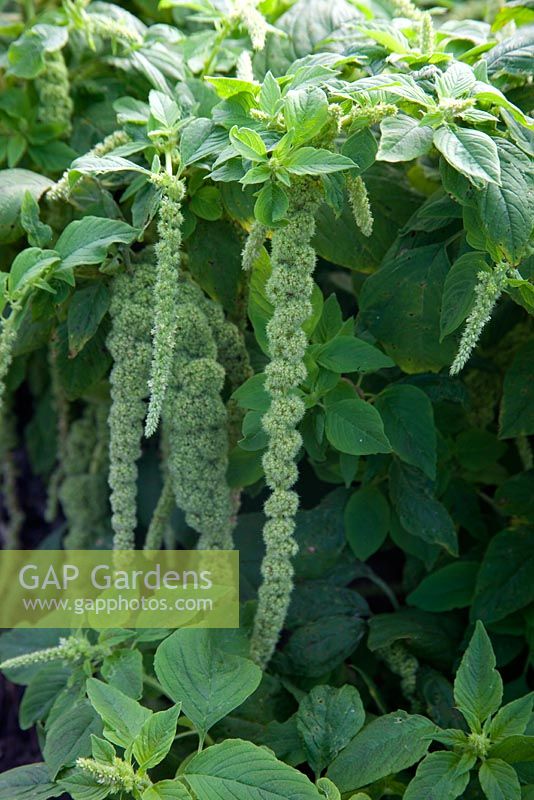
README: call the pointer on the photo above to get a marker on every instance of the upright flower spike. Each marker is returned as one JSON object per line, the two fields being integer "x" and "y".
{"x": 196, "y": 426}
{"x": 119, "y": 776}
{"x": 53, "y": 91}
{"x": 487, "y": 292}
{"x": 361, "y": 207}
{"x": 244, "y": 69}
{"x": 289, "y": 289}
{"x": 130, "y": 347}
{"x": 166, "y": 294}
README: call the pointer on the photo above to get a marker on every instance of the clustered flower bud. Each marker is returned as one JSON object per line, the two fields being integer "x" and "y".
{"x": 289, "y": 289}
{"x": 253, "y": 245}
{"x": 119, "y": 776}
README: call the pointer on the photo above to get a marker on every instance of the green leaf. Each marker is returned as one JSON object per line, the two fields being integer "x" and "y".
{"x": 504, "y": 583}
{"x": 361, "y": 148}
{"x": 330, "y": 790}
{"x": 387, "y": 745}
{"x": 123, "y": 717}
{"x": 506, "y": 212}
{"x": 87, "y": 241}
{"x": 252, "y": 394}
{"x": 441, "y": 776}
{"x": 238, "y": 770}
{"x": 124, "y": 670}
{"x": 195, "y": 140}
{"x": 248, "y": 144}
{"x": 450, "y": 587}
{"x": 14, "y": 183}
{"x": 457, "y": 81}
{"x": 154, "y": 740}
{"x": 305, "y": 112}
{"x": 499, "y": 780}
{"x": 69, "y": 736}
{"x": 167, "y": 790}
{"x": 420, "y": 513}
{"x": 478, "y": 685}
{"x": 31, "y": 782}
{"x": 400, "y": 305}
{"x": 327, "y": 720}
{"x": 272, "y": 205}
{"x": 471, "y": 152}
{"x": 86, "y": 311}
{"x": 39, "y": 234}
{"x": 82, "y": 786}
{"x": 314, "y": 161}
{"x": 29, "y": 266}
{"x": 517, "y": 408}
{"x": 26, "y": 56}
{"x": 403, "y": 139}
{"x": 512, "y": 719}
{"x": 41, "y": 694}
{"x": 355, "y": 427}
{"x": 81, "y": 373}
{"x": 459, "y": 291}
{"x": 207, "y": 681}
{"x": 408, "y": 419}
{"x": 163, "y": 108}
{"x": 347, "y": 354}
{"x": 207, "y": 203}
{"x": 100, "y": 165}
{"x": 514, "y": 749}
{"x": 367, "y": 519}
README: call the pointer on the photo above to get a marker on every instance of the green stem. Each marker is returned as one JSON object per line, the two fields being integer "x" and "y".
{"x": 217, "y": 44}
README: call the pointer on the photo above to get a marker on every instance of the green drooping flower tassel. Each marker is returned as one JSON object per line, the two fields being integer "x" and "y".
{"x": 130, "y": 347}
{"x": 53, "y": 90}
{"x": 196, "y": 426}
{"x": 403, "y": 664}
{"x": 8, "y": 335}
{"x": 14, "y": 512}
{"x": 84, "y": 491}
{"x": 166, "y": 295}
{"x": 61, "y": 407}
{"x": 289, "y": 289}
{"x": 487, "y": 292}
{"x": 361, "y": 207}
{"x": 253, "y": 245}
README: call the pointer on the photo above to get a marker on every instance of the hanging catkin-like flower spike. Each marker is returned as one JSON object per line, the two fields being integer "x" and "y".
{"x": 487, "y": 292}
{"x": 253, "y": 245}
{"x": 60, "y": 191}
{"x": 15, "y": 515}
{"x": 61, "y": 408}
{"x": 166, "y": 293}
{"x": 403, "y": 664}
{"x": 196, "y": 426}
{"x": 8, "y": 335}
{"x": 246, "y": 13}
{"x": 84, "y": 491}
{"x": 130, "y": 347}
{"x": 361, "y": 207}
{"x": 289, "y": 289}
{"x": 53, "y": 91}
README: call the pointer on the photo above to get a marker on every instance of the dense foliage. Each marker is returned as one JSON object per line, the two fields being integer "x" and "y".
{"x": 268, "y": 284}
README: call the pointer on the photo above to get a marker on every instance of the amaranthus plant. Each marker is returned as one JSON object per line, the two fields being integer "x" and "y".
{"x": 268, "y": 287}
